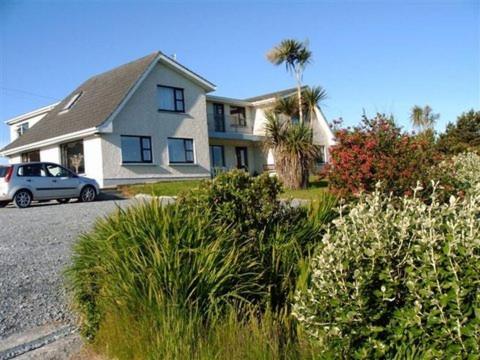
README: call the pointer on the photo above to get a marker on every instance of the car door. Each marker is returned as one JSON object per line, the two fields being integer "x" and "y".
{"x": 62, "y": 181}
{"x": 34, "y": 178}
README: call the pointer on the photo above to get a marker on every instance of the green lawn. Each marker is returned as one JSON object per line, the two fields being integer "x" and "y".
{"x": 164, "y": 188}
{"x": 173, "y": 188}
{"x": 315, "y": 189}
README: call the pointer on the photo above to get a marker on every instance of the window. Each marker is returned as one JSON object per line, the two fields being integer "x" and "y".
{"x": 180, "y": 151}
{"x": 73, "y": 157}
{"x": 35, "y": 170}
{"x": 22, "y": 128}
{"x": 73, "y": 100}
{"x": 321, "y": 155}
{"x": 31, "y": 156}
{"x": 217, "y": 155}
{"x": 238, "y": 115}
{"x": 136, "y": 149}
{"x": 57, "y": 171}
{"x": 170, "y": 99}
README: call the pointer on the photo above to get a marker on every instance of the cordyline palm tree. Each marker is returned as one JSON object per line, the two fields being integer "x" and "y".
{"x": 423, "y": 118}
{"x": 292, "y": 147}
{"x": 287, "y": 106}
{"x": 312, "y": 97}
{"x": 295, "y": 55}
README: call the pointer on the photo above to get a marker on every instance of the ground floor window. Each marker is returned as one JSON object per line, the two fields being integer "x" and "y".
{"x": 73, "y": 156}
{"x": 242, "y": 157}
{"x": 136, "y": 149}
{"x": 180, "y": 151}
{"x": 321, "y": 159}
{"x": 31, "y": 156}
{"x": 217, "y": 155}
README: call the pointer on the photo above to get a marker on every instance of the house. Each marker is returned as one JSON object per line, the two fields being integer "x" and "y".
{"x": 150, "y": 120}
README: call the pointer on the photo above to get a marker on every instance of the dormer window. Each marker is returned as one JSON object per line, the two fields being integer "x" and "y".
{"x": 22, "y": 128}
{"x": 71, "y": 102}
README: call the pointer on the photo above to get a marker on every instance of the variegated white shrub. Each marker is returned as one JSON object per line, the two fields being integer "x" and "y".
{"x": 467, "y": 168}
{"x": 459, "y": 173}
{"x": 398, "y": 278}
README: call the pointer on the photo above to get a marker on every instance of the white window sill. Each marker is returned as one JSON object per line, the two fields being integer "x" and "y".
{"x": 182, "y": 164}
{"x": 138, "y": 164}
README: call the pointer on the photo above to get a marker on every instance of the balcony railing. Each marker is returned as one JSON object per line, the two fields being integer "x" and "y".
{"x": 228, "y": 123}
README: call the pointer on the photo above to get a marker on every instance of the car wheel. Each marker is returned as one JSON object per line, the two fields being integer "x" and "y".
{"x": 63, "y": 201}
{"x": 22, "y": 199}
{"x": 87, "y": 194}
{"x": 3, "y": 204}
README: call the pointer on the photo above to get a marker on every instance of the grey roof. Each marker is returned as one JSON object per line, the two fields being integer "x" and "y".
{"x": 101, "y": 95}
{"x": 275, "y": 94}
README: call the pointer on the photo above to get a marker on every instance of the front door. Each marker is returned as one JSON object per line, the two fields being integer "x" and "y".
{"x": 242, "y": 157}
{"x": 219, "y": 117}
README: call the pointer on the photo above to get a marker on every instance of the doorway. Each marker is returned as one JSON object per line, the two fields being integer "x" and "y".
{"x": 242, "y": 157}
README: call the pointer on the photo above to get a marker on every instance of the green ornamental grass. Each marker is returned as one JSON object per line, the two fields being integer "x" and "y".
{"x": 213, "y": 274}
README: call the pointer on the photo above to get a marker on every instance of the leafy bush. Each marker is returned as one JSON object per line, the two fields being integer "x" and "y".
{"x": 458, "y": 174}
{"x": 169, "y": 278}
{"x": 278, "y": 236}
{"x": 464, "y": 135}
{"x": 397, "y": 279}
{"x": 376, "y": 151}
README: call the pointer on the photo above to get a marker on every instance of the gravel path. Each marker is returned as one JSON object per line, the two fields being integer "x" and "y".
{"x": 35, "y": 246}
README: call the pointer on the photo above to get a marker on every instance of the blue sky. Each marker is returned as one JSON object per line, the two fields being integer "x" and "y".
{"x": 381, "y": 56}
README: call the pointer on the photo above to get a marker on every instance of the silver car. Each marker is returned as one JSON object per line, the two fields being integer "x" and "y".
{"x": 26, "y": 182}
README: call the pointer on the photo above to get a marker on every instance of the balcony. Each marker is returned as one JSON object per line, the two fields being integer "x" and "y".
{"x": 228, "y": 123}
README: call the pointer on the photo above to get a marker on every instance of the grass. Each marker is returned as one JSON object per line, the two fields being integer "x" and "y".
{"x": 212, "y": 276}
{"x": 164, "y": 188}
{"x": 315, "y": 190}
{"x": 174, "y": 188}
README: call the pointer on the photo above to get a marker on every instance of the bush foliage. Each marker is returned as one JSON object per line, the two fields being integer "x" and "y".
{"x": 398, "y": 279}
{"x": 457, "y": 175}
{"x": 463, "y": 135}
{"x": 168, "y": 278}
{"x": 378, "y": 150}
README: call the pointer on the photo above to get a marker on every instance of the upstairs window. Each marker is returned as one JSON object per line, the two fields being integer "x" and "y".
{"x": 22, "y": 128}
{"x": 170, "y": 99}
{"x": 73, "y": 100}
{"x": 238, "y": 116}
{"x": 180, "y": 151}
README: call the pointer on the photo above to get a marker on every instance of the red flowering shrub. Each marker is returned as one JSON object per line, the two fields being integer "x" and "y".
{"x": 378, "y": 150}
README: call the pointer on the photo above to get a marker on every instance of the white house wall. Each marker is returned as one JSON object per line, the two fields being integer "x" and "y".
{"x": 141, "y": 117}
{"x": 15, "y": 159}
{"x": 50, "y": 154}
{"x": 93, "y": 158}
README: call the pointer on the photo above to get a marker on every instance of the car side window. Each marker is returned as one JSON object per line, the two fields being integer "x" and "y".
{"x": 30, "y": 170}
{"x": 57, "y": 171}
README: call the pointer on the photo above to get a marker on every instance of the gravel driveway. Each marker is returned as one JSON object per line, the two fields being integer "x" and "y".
{"x": 35, "y": 247}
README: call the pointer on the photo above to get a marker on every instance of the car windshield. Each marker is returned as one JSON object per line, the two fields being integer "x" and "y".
{"x": 3, "y": 171}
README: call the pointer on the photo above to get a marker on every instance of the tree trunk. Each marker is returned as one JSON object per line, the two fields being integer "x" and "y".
{"x": 299, "y": 95}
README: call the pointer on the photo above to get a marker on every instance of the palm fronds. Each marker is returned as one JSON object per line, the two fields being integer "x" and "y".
{"x": 292, "y": 147}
